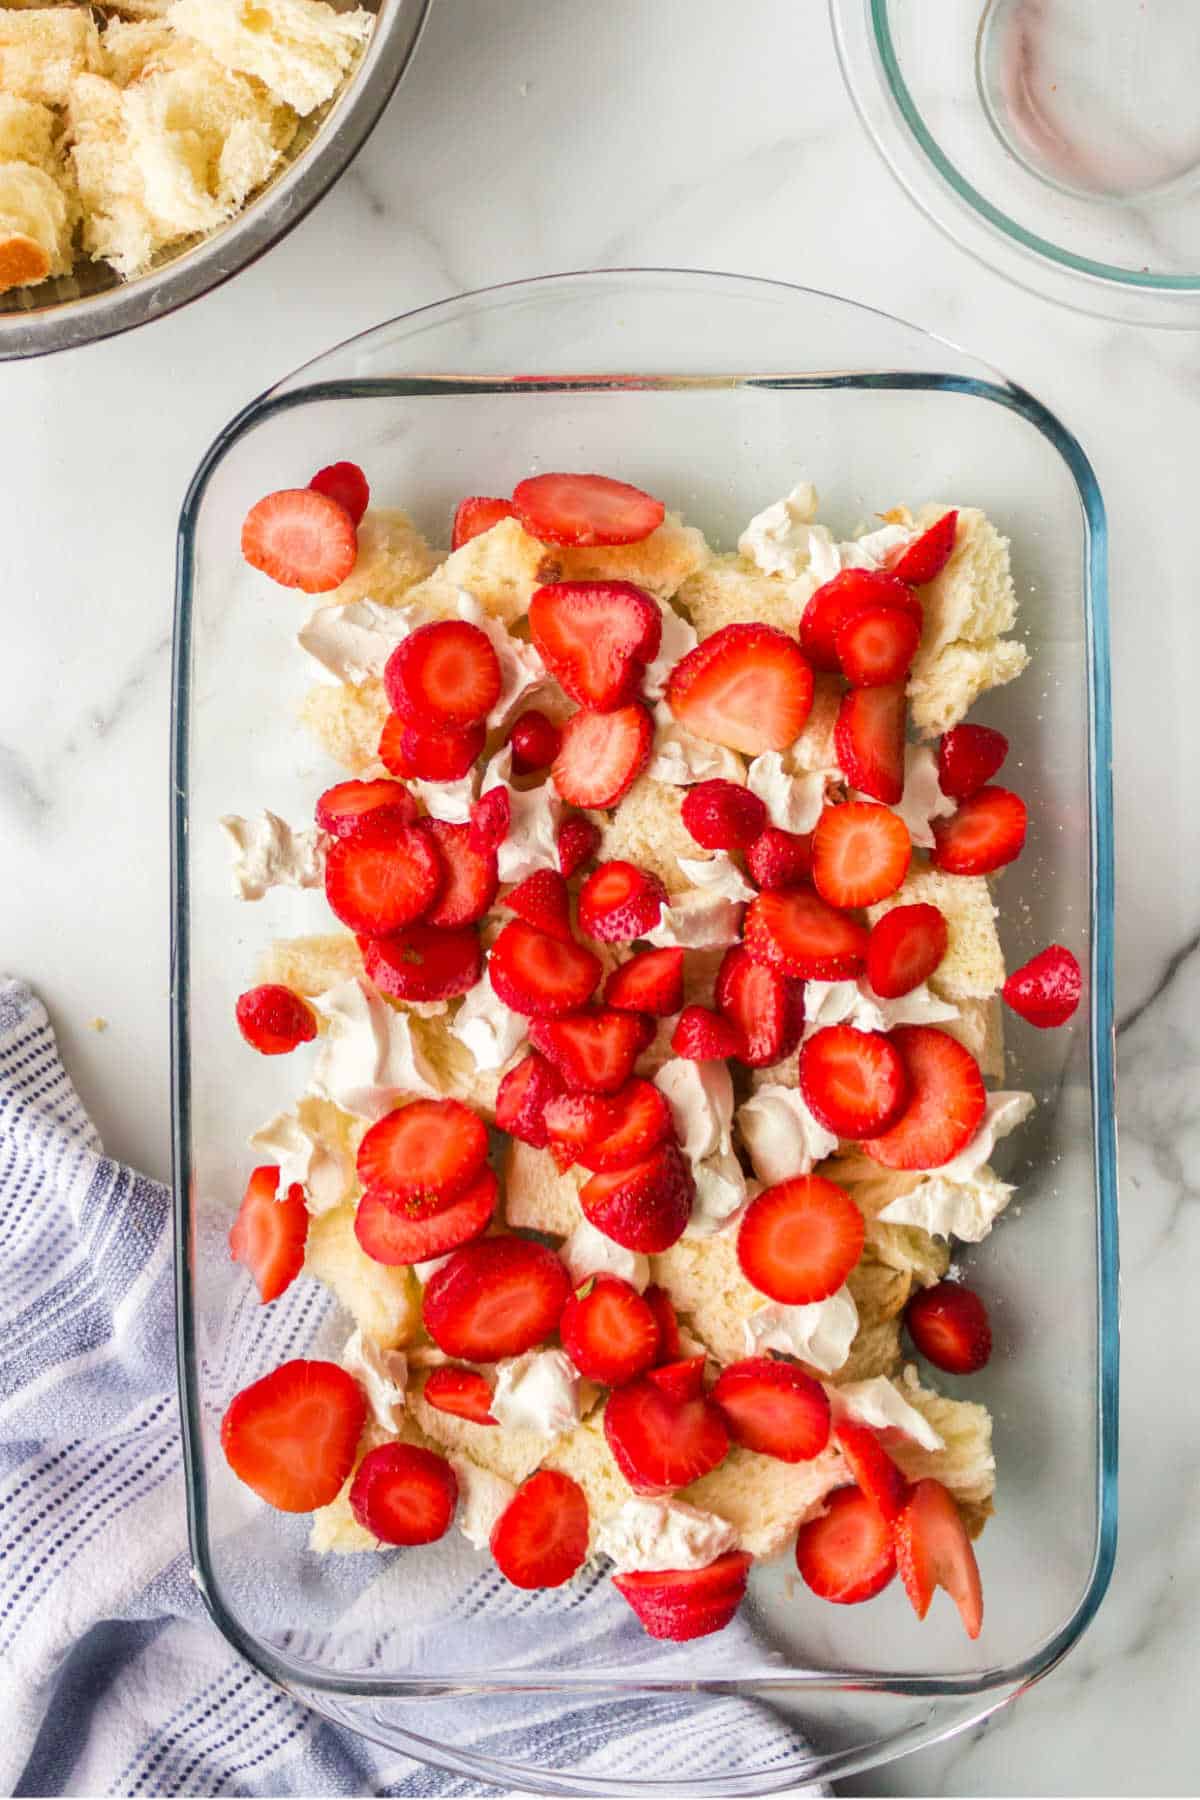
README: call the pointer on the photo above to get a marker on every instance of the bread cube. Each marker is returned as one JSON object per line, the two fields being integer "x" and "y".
{"x": 973, "y": 966}
{"x": 661, "y": 563}
{"x": 385, "y": 1302}
{"x": 311, "y": 965}
{"x": 43, "y": 49}
{"x": 765, "y": 1500}
{"x": 647, "y": 828}
{"x": 536, "y": 1196}
{"x": 347, "y": 721}
{"x": 967, "y": 609}
{"x": 300, "y": 50}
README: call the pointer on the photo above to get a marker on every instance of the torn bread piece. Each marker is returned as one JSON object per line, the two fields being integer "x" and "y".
{"x": 660, "y": 563}
{"x": 301, "y": 50}
{"x": 968, "y": 607}
{"x": 766, "y": 1500}
{"x": 311, "y": 965}
{"x": 729, "y": 590}
{"x": 973, "y": 966}
{"x": 43, "y": 49}
{"x": 347, "y": 722}
{"x": 536, "y": 1196}
{"x": 647, "y": 828}
{"x": 384, "y": 1302}
{"x": 335, "y": 1530}
{"x": 37, "y": 224}
{"x": 966, "y": 1463}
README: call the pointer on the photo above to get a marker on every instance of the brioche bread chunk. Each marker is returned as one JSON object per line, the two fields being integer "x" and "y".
{"x": 536, "y": 1196}
{"x": 905, "y": 1249}
{"x": 384, "y": 1302}
{"x": 729, "y": 590}
{"x": 500, "y": 567}
{"x": 966, "y": 1464}
{"x": 43, "y": 49}
{"x": 335, "y": 1530}
{"x": 660, "y": 563}
{"x": 647, "y": 828}
{"x": 347, "y": 721}
{"x": 765, "y": 1500}
{"x": 311, "y": 965}
{"x": 973, "y": 966}
{"x": 979, "y": 1028}
{"x": 37, "y": 222}
{"x": 511, "y": 1452}
{"x": 392, "y": 557}
{"x": 968, "y": 607}
{"x": 300, "y": 50}
{"x": 27, "y": 133}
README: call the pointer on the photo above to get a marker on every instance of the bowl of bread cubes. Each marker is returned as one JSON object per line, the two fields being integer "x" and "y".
{"x": 149, "y": 149}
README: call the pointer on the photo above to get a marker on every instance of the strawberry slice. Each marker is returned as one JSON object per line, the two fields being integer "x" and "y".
{"x": 968, "y": 757}
{"x": 682, "y": 1604}
{"x": 765, "y": 1008}
{"x": 851, "y": 592}
{"x": 905, "y": 947}
{"x": 869, "y": 737}
{"x": 402, "y": 1494}
{"x": 522, "y": 1099}
{"x": 609, "y": 1131}
{"x": 534, "y": 740}
{"x": 463, "y": 1393}
{"x": 1045, "y": 991}
{"x": 475, "y": 515}
{"x": 423, "y": 963}
{"x": 388, "y": 1236}
{"x": 540, "y": 1539}
{"x": 799, "y": 1240}
{"x": 846, "y": 1555}
{"x": 986, "y": 832}
{"x": 925, "y": 559}
{"x": 860, "y": 853}
{"x": 608, "y": 1331}
{"x": 747, "y": 687}
{"x": 774, "y": 1408}
{"x": 273, "y": 1020}
{"x": 361, "y": 809}
{"x": 933, "y": 1550}
{"x": 619, "y": 902}
{"x": 780, "y": 859}
{"x": 876, "y": 647}
{"x": 539, "y": 975}
{"x": 650, "y": 982}
{"x": 414, "y": 755}
{"x": 380, "y": 888}
{"x": 497, "y": 1297}
{"x": 542, "y": 900}
{"x": 578, "y": 841}
{"x": 795, "y": 931}
{"x": 301, "y": 539}
{"x": 946, "y": 1104}
{"x": 646, "y": 1206}
{"x": 491, "y": 816}
{"x": 723, "y": 816}
{"x": 292, "y": 1435}
{"x": 660, "y": 1443}
{"x": 593, "y": 1050}
{"x": 470, "y": 881}
{"x": 879, "y": 1478}
{"x": 585, "y": 509}
{"x": 680, "y": 1380}
{"x": 602, "y": 755}
{"x": 949, "y": 1325}
{"x": 345, "y": 483}
{"x": 853, "y": 1082}
{"x": 423, "y": 1155}
{"x": 269, "y": 1234}
{"x": 659, "y": 1302}
{"x": 443, "y": 674}
{"x": 703, "y": 1035}
{"x": 596, "y": 637}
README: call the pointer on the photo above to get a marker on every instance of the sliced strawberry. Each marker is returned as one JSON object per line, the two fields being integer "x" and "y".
{"x": 795, "y": 931}
{"x": 361, "y": 809}
{"x": 765, "y": 1008}
{"x": 423, "y": 1155}
{"x": 273, "y": 1020}
{"x": 475, "y": 515}
{"x": 443, "y": 675}
{"x": 846, "y": 1554}
{"x": 608, "y": 1331}
{"x": 780, "y": 859}
{"x": 968, "y": 757}
{"x": 380, "y": 888}
{"x": 585, "y": 509}
{"x": 534, "y": 740}
{"x": 799, "y": 1240}
{"x": 542, "y": 900}
{"x": 423, "y": 963}
{"x": 470, "y": 881}
{"x": 933, "y": 1550}
{"x": 853, "y": 1082}
{"x": 403, "y": 1494}
{"x": 414, "y": 755}
{"x": 497, "y": 1297}
{"x": 269, "y": 1234}
{"x": 747, "y": 687}
{"x": 883, "y": 1483}
{"x": 463, "y": 1393}
{"x": 876, "y": 647}
{"x": 491, "y": 816}
{"x": 774, "y": 1408}
{"x": 609, "y": 1131}
{"x": 723, "y": 816}
{"x": 593, "y": 1050}
{"x": 660, "y": 1443}
{"x": 861, "y": 853}
{"x": 620, "y": 902}
{"x": 345, "y": 483}
{"x": 680, "y": 1380}
{"x": 905, "y": 947}
{"x": 539, "y": 975}
{"x": 292, "y": 1435}
{"x": 703, "y": 1035}
{"x": 650, "y": 982}
{"x": 646, "y": 1206}
{"x": 540, "y": 1539}
{"x": 848, "y": 594}
{"x": 301, "y": 539}
{"x": 522, "y": 1098}
{"x": 949, "y": 1325}
{"x": 682, "y": 1604}
{"x": 986, "y": 832}
{"x": 946, "y": 1104}
{"x": 596, "y": 637}
{"x": 578, "y": 841}
{"x": 659, "y": 1302}
{"x": 1045, "y": 990}
{"x": 388, "y": 1236}
{"x": 869, "y": 736}
{"x": 925, "y": 559}
{"x": 602, "y": 755}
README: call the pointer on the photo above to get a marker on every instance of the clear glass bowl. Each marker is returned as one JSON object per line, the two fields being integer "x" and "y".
{"x": 716, "y": 392}
{"x": 1056, "y": 140}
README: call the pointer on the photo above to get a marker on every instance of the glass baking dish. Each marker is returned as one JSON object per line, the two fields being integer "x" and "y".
{"x": 718, "y": 393}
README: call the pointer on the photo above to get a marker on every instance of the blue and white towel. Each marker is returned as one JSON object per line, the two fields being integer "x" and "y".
{"x": 115, "y": 1682}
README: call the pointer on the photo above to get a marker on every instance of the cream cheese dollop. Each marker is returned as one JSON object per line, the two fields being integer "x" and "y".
{"x": 708, "y": 915}
{"x": 782, "y": 1135}
{"x": 820, "y": 1334}
{"x": 352, "y": 643}
{"x": 450, "y": 801}
{"x": 534, "y": 818}
{"x": 878, "y": 1403}
{"x": 267, "y": 853}
{"x": 681, "y": 759}
{"x": 678, "y": 637}
{"x": 537, "y": 1392}
{"x": 382, "y": 1376}
{"x": 482, "y": 1498}
{"x": 590, "y": 1252}
{"x": 856, "y": 1003}
{"x": 664, "y": 1533}
{"x": 319, "y": 1168}
{"x": 793, "y": 802}
{"x": 964, "y": 1197}
{"x": 522, "y": 671}
{"x": 922, "y": 800}
{"x": 700, "y": 1095}
{"x": 783, "y": 539}
{"x": 720, "y": 1191}
{"x": 368, "y": 1058}
{"x": 489, "y": 1028}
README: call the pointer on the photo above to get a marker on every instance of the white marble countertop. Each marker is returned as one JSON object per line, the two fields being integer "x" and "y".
{"x": 529, "y": 138}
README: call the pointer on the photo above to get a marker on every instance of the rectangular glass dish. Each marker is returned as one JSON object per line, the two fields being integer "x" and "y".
{"x": 716, "y": 393}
